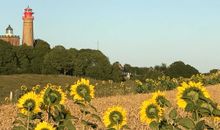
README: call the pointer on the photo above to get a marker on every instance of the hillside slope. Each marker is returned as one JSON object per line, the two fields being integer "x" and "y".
{"x": 103, "y": 88}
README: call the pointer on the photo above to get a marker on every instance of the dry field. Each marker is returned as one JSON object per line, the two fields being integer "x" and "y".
{"x": 130, "y": 102}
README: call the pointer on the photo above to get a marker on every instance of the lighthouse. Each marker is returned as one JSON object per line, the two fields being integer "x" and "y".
{"x": 28, "y": 29}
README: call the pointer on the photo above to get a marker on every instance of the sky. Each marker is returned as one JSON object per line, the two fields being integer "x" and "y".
{"x": 141, "y": 33}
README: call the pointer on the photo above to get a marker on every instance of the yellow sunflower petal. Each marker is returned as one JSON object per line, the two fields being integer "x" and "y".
{"x": 107, "y": 117}
{"x": 85, "y": 83}
{"x": 29, "y": 99}
{"x": 185, "y": 87}
{"x": 44, "y": 126}
{"x": 54, "y": 89}
{"x": 145, "y": 118}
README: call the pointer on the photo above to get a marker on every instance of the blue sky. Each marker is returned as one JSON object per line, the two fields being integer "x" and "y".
{"x": 138, "y": 32}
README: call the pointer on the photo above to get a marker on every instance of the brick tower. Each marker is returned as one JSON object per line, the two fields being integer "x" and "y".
{"x": 28, "y": 32}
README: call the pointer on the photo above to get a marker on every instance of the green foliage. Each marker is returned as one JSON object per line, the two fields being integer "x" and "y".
{"x": 162, "y": 83}
{"x": 92, "y": 63}
{"x": 199, "y": 109}
{"x": 58, "y": 61}
{"x": 179, "y": 68}
{"x": 212, "y": 78}
{"x": 25, "y": 56}
{"x": 40, "y": 59}
{"x": 41, "y": 48}
{"x": 116, "y": 73}
{"x": 7, "y": 58}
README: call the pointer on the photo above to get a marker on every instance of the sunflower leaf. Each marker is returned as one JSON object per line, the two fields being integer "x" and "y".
{"x": 111, "y": 129}
{"x": 167, "y": 103}
{"x": 200, "y": 125}
{"x": 69, "y": 125}
{"x": 207, "y": 100}
{"x": 21, "y": 115}
{"x": 18, "y": 128}
{"x": 80, "y": 103}
{"x": 208, "y": 127}
{"x": 154, "y": 125}
{"x": 126, "y": 127}
{"x": 69, "y": 116}
{"x": 176, "y": 128}
{"x": 166, "y": 127}
{"x": 187, "y": 123}
{"x": 87, "y": 123}
{"x": 216, "y": 112}
{"x": 190, "y": 107}
{"x": 85, "y": 112}
{"x": 92, "y": 107}
{"x": 173, "y": 114}
{"x": 18, "y": 122}
{"x": 96, "y": 117}
{"x": 204, "y": 111}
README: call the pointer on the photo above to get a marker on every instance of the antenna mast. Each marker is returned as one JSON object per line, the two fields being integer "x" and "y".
{"x": 97, "y": 45}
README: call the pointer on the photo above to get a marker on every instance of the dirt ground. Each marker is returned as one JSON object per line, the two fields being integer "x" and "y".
{"x": 130, "y": 102}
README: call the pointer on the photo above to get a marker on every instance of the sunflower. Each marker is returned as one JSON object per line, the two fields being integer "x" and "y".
{"x": 216, "y": 118}
{"x": 115, "y": 117}
{"x": 82, "y": 90}
{"x": 52, "y": 95}
{"x": 192, "y": 91}
{"x": 29, "y": 103}
{"x": 150, "y": 111}
{"x": 138, "y": 82}
{"x": 44, "y": 126}
{"x": 24, "y": 88}
{"x": 160, "y": 99}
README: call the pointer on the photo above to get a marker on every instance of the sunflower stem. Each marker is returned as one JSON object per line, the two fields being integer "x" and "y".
{"x": 197, "y": 116}
{"x": 84, "y": 127}
{"x": 48, "y": 114}
{"x": 28, "y": 120}
{"x": 118, "y": 126}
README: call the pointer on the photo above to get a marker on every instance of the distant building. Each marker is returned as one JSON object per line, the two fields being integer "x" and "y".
{"x": 10, "y": 37}
{"x": 28, "y": 32}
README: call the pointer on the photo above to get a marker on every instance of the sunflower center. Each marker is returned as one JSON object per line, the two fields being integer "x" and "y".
{"x": 52, "y": 97}
{"x": 116, "y": 117}
{"x": 29, "y": 104}
{"x": 193, "y": 95}
{"x": 44, "y": 129}
{"x": 161, "y": 100}
{"x": 83, "y": 90}
{"x": 152, "y": 111}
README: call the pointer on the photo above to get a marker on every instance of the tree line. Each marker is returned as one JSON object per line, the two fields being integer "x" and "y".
{"x": 42, "y": 59}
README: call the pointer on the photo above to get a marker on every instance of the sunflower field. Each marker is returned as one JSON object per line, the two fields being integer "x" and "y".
{"x": 167, "y": 83}
{"x": 47, "y": 109}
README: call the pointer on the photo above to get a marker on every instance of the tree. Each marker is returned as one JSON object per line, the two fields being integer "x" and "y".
{"x": 7, "y": 58}
{"x": 179, "y": 68}
{"x": 73, "y": 53}
{"x": 92, "y": 63}
{"x": 58, "y": 61}
{"x": 117, "y": 72}
{"x": 41, "y": 48}
{"x": 24, "y": 56}
{"x": 214, "y": 71}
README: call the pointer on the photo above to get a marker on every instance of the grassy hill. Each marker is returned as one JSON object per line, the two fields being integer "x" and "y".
{"x": 103, "y": 88}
